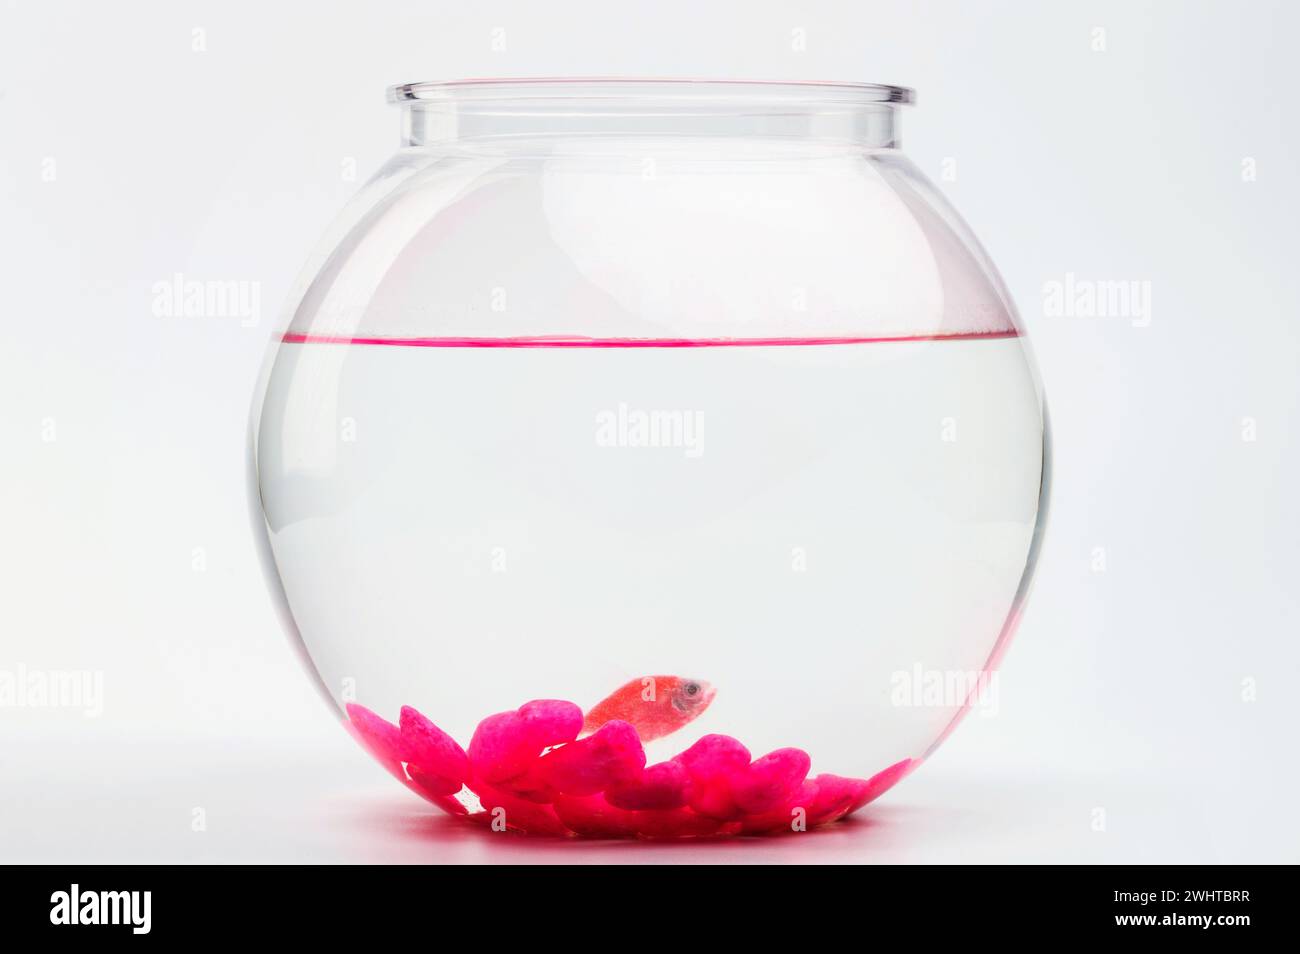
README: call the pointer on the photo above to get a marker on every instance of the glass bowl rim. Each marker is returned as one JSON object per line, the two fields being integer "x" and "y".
{"x": 631, "y": 89}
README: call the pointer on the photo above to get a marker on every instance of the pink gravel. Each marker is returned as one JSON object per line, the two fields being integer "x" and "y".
{"x": 531, "y": 773}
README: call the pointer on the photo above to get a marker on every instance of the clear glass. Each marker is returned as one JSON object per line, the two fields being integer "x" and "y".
{"x": 692, "y": 397}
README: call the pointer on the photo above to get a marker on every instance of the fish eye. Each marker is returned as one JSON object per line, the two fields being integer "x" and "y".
{"x": 692, "y": 688}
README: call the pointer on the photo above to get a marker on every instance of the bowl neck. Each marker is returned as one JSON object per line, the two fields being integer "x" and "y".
{"x": 436, "y": 114}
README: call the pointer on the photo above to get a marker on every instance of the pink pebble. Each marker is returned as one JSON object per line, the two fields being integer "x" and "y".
{"x": 499, "y": 750}
{"x": 379, "y": 737}
{"x": 533, "y": 785}
{"x": 882, "y": 782}
{"x": 783, "y": 818}
{"x": 714, "y": 755}
{"x": 677, "y": 823}
{"x": 593, "y": 817}
{"x": 660, "y": 787}
{"x": 377, "y": 732}
{"x": 713, "y": 763}
{"x": 432, "y": 750}
{"x": 436, "y": 789}
{"x": 612, "y": 756}
{"x": 550, "y": 721}
{"x": 517, "y": 813}
{"x": 769, "y": 782}
{"x": 835, "y": 796}
{"x": 712, "y": 798}
{"x": 431, "y": 785}
{"x": 505, "y": 746}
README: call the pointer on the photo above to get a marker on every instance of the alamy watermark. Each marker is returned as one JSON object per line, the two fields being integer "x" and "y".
{"x": 632, "y": 427}
{"x": 24, "y": 688}
{"x": 1074, "y": 297}
{"x": 945, "y": 689}
{"x": 181, "y": 297}
{"x": 127, "y": 908}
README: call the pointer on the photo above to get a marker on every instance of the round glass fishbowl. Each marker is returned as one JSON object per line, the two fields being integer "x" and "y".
{"x": 650, "y": 458}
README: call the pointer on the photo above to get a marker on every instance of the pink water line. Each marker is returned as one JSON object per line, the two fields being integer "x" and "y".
{"x": 569, "y": 341}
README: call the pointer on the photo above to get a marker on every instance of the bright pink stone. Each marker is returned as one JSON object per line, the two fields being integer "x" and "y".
{"x": 835, "y": 796}
{"x": 712, "y": 798}
{"x": 660, "y": 787}
{"x": 433, "y": 751}
{"x": 550, "y": 721}
{"x": 545, "y": 722}
{"x": 506, "y": 745}
{"x": 714, "y": 755}
{"x": 517, "y": 813}
{"x": 611, "y": 756}
{"x": 676, "y": 823}
{"x": 782, "y": 818}
{"x": 533, "y": 785}
{"x": 498, "y": 750}
{"x": 769, "y": 782}
{"x": 379, "y": 737}
{"x": 436, "y": 789}
{"x": 713, "y": 763}
{"x": 430, "y": 785}
{"x": 881, "y": 782}
{"x": 378, "y": 733}
{"x": 593, "y": 817}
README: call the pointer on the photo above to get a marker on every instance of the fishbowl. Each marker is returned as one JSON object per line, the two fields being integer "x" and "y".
{"x": 650, "y": 459}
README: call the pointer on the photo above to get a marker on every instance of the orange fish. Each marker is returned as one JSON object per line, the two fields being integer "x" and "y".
{"x": 654, "y": 705}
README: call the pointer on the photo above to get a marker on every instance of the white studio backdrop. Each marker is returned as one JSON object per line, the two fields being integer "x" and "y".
{"x": 1144, "y": 712}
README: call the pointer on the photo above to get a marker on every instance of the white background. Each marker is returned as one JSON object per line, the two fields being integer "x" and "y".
{"x": 1145, "y": 712}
